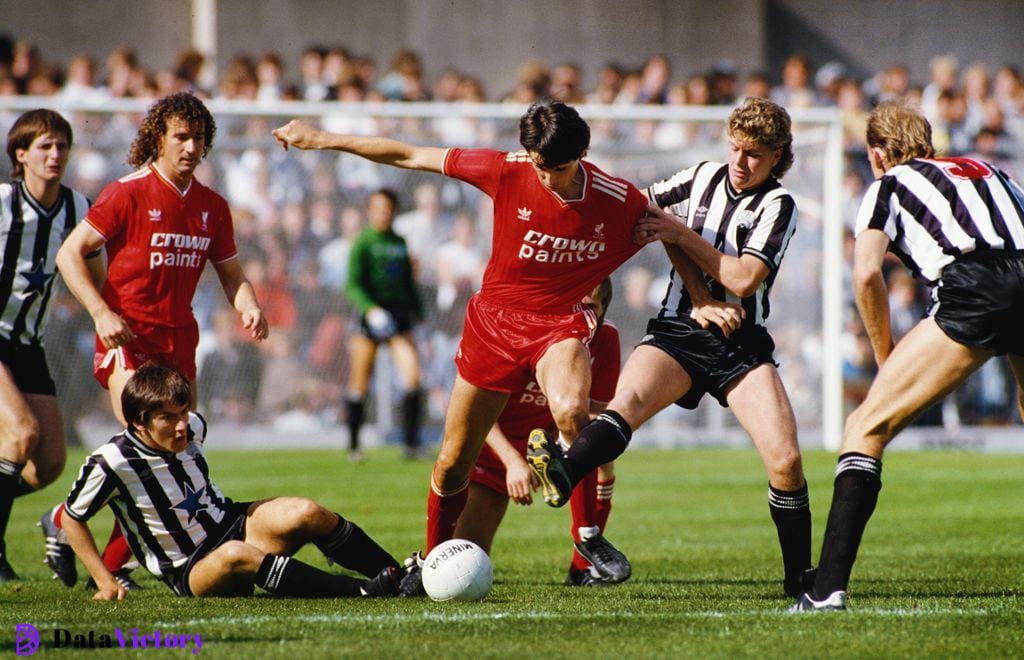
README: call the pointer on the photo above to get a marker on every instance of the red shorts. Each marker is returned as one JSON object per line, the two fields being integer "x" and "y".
{"x": 175, "y": 347}
{"x": 500, "y": 347}
{"x": 489, "y": 471}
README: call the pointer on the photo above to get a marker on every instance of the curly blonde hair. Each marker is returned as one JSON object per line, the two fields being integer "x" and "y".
{"x": 183, "y": 106}
{"x": 900, "y": 131}
{"x": 765, "y": 123}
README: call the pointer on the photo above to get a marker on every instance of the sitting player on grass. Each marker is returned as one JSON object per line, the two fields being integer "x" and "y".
{"x": 502, "y": 473}
{"x": 184, "y": 531}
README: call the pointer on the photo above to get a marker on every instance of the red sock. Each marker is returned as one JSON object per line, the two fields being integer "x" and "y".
{"x": 583, "y": 503}
{"x": 117, "y": 553}
{"x": 58, "y": 516}
{"x": 603, "y": 502}
{"x": 443, "y": 513}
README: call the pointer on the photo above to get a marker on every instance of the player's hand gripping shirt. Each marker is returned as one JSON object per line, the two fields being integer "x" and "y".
{"x": 158, "y": 240}
{"x": 548, "y": 253}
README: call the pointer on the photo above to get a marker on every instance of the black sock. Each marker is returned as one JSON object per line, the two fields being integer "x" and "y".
{"x": 791, "y": 513}
{"x": 355, "y": 410}
{"x": 858, "y": 480}
{"x": 601, "y": 441}
{"x": 286, "y": 576}
{"x": 352, "y": 548}
{"x": 412, "y": 405}
{"x": 11, "y": 486}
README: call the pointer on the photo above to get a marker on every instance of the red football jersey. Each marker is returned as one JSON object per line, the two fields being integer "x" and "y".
{"x": 158, "y": 241}
{"x": 528, "y": 409}
{"x": 548, "y": 253}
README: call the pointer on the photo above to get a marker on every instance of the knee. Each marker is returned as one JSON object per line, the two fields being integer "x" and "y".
{"x": 23, "y": 436}
{"x": 451, "y": 470}
{"x": 785, "y": 466}
{"x": 570, "y": 412}
{"x": 305, "y": 512}
{"x": 239, "y": 557}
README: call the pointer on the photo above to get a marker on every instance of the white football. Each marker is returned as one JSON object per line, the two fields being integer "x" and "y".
{"x": 457, "y": 570}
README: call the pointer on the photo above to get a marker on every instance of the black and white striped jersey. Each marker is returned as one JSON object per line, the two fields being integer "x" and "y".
{"x": 759, "y": 222}
{"x": 29, "y": 238}
{"x": 166, "y": 503}
{"x": 935, "y": 210}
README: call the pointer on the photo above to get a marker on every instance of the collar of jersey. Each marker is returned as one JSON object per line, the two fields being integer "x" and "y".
{"x": 583, "y": 189}
{"x": 170, "y": 184}
{"x": 737, "y": 194}
{"x": 143, "y": 447}
{"x": 34, "y": 203}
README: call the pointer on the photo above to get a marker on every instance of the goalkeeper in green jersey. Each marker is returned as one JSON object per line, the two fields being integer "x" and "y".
{"x": 381, "y": 287}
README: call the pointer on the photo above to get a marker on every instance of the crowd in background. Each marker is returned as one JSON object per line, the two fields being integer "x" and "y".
{"x": 296, "y": 215}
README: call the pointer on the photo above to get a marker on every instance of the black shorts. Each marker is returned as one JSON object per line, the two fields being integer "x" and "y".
{"x": 27, "y": 364}
{"x": 711, "y": 360}
{"x": 980, "y": 301}
{"x": 403, "y": 323}
{"x": 232, "y": 528}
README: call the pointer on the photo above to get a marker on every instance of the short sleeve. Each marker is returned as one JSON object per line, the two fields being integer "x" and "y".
{"x": 876, "y": 209}
{"x": 769, "y": 236}
{"x": 222, "y": 247}
{"x": 92, "y": 490}
{"x": 673, "y": 190}
{"x": 109, "y": 215}
{"x": 478, "y": 167}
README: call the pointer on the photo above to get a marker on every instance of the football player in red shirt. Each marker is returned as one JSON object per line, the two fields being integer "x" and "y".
{"x": 502, "y": 473}
{"x": 159, "y": 226}
{"x": 561, "y": 226}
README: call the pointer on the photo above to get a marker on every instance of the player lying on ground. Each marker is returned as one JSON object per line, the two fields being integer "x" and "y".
{"x": 36, "y": 214}
{"x": 159, "y": 226}
{"x": 735, "y": 221}
{"x": 561, "y": 226}
{"x": 185, "y": 531}
{"x": 502, "y": 473}
{"x": 958, "y": 224}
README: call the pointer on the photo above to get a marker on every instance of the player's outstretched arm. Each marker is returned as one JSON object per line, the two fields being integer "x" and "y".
{"x": 84, "y": 281}
{"x": 741, "y": 275}
{"x": 242, "y": 297}
{"x": 378, "y": 149}
{"x": 870, "y": 291}
{"x": 519, "y": 479}
{"x": 82, "y": 542}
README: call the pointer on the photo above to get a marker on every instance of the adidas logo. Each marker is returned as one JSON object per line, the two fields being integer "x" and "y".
{"x": 155, "y": 215}
{"x": 524, "y": 214}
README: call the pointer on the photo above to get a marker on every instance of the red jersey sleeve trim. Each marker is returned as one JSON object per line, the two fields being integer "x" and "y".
{"x": 95, "y": 229}
{"x": 444, "y": 161}
{"x": 220, "y": 261}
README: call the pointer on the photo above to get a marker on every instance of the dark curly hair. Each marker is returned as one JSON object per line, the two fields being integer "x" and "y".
{"x": 182, "y": 105}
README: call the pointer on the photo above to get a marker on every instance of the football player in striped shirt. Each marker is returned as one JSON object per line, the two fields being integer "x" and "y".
{"x": 957, "y": 224}
{"x": 734, "y": 223}
{"x": 561, "y": 225}
{"x": 180, "y": 526}
{"x": 36, "y": 214}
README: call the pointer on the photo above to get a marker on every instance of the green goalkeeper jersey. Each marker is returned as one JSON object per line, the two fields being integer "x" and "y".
{"x": 380, "y": 274}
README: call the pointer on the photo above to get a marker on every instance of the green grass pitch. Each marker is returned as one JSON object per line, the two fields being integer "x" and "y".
{"x": 941, "y": 570}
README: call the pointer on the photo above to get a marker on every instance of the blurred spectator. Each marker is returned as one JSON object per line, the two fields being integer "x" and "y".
{"x": 944, "y": 71}
{"x": 239, "y": 80}
{"x": 724, "y": 84}
{"x": 460, "y": 262}
{"x": 423, "y": 228}
{"x": 404, "y": 79}
{"x": 333, "y": 257}
{"x": 757, "y": 85}
{"x": 654, "y": 80}
{"x": 80, "y": 84}
{"x": 795, "y": 90}
{"x": 121, "y": 70}
{"x": 229, "y": 373}
{"x": 827, "y": 81}
{"x": 609, "y": 83}
{"x": 566, "y": 83}
{"x": 311, "y": 68}
{"x": 269, "y": 77}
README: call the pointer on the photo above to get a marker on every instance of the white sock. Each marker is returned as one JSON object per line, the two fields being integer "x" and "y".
{"x": 563, "y": 442}
{"x": 587, "y": 533}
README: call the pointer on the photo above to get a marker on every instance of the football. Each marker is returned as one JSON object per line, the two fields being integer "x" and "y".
{"x": 457, "y": 570}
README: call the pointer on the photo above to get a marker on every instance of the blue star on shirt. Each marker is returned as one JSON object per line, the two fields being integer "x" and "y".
{"x": 191, "y": 503}
{"x": 37, "y": 279}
